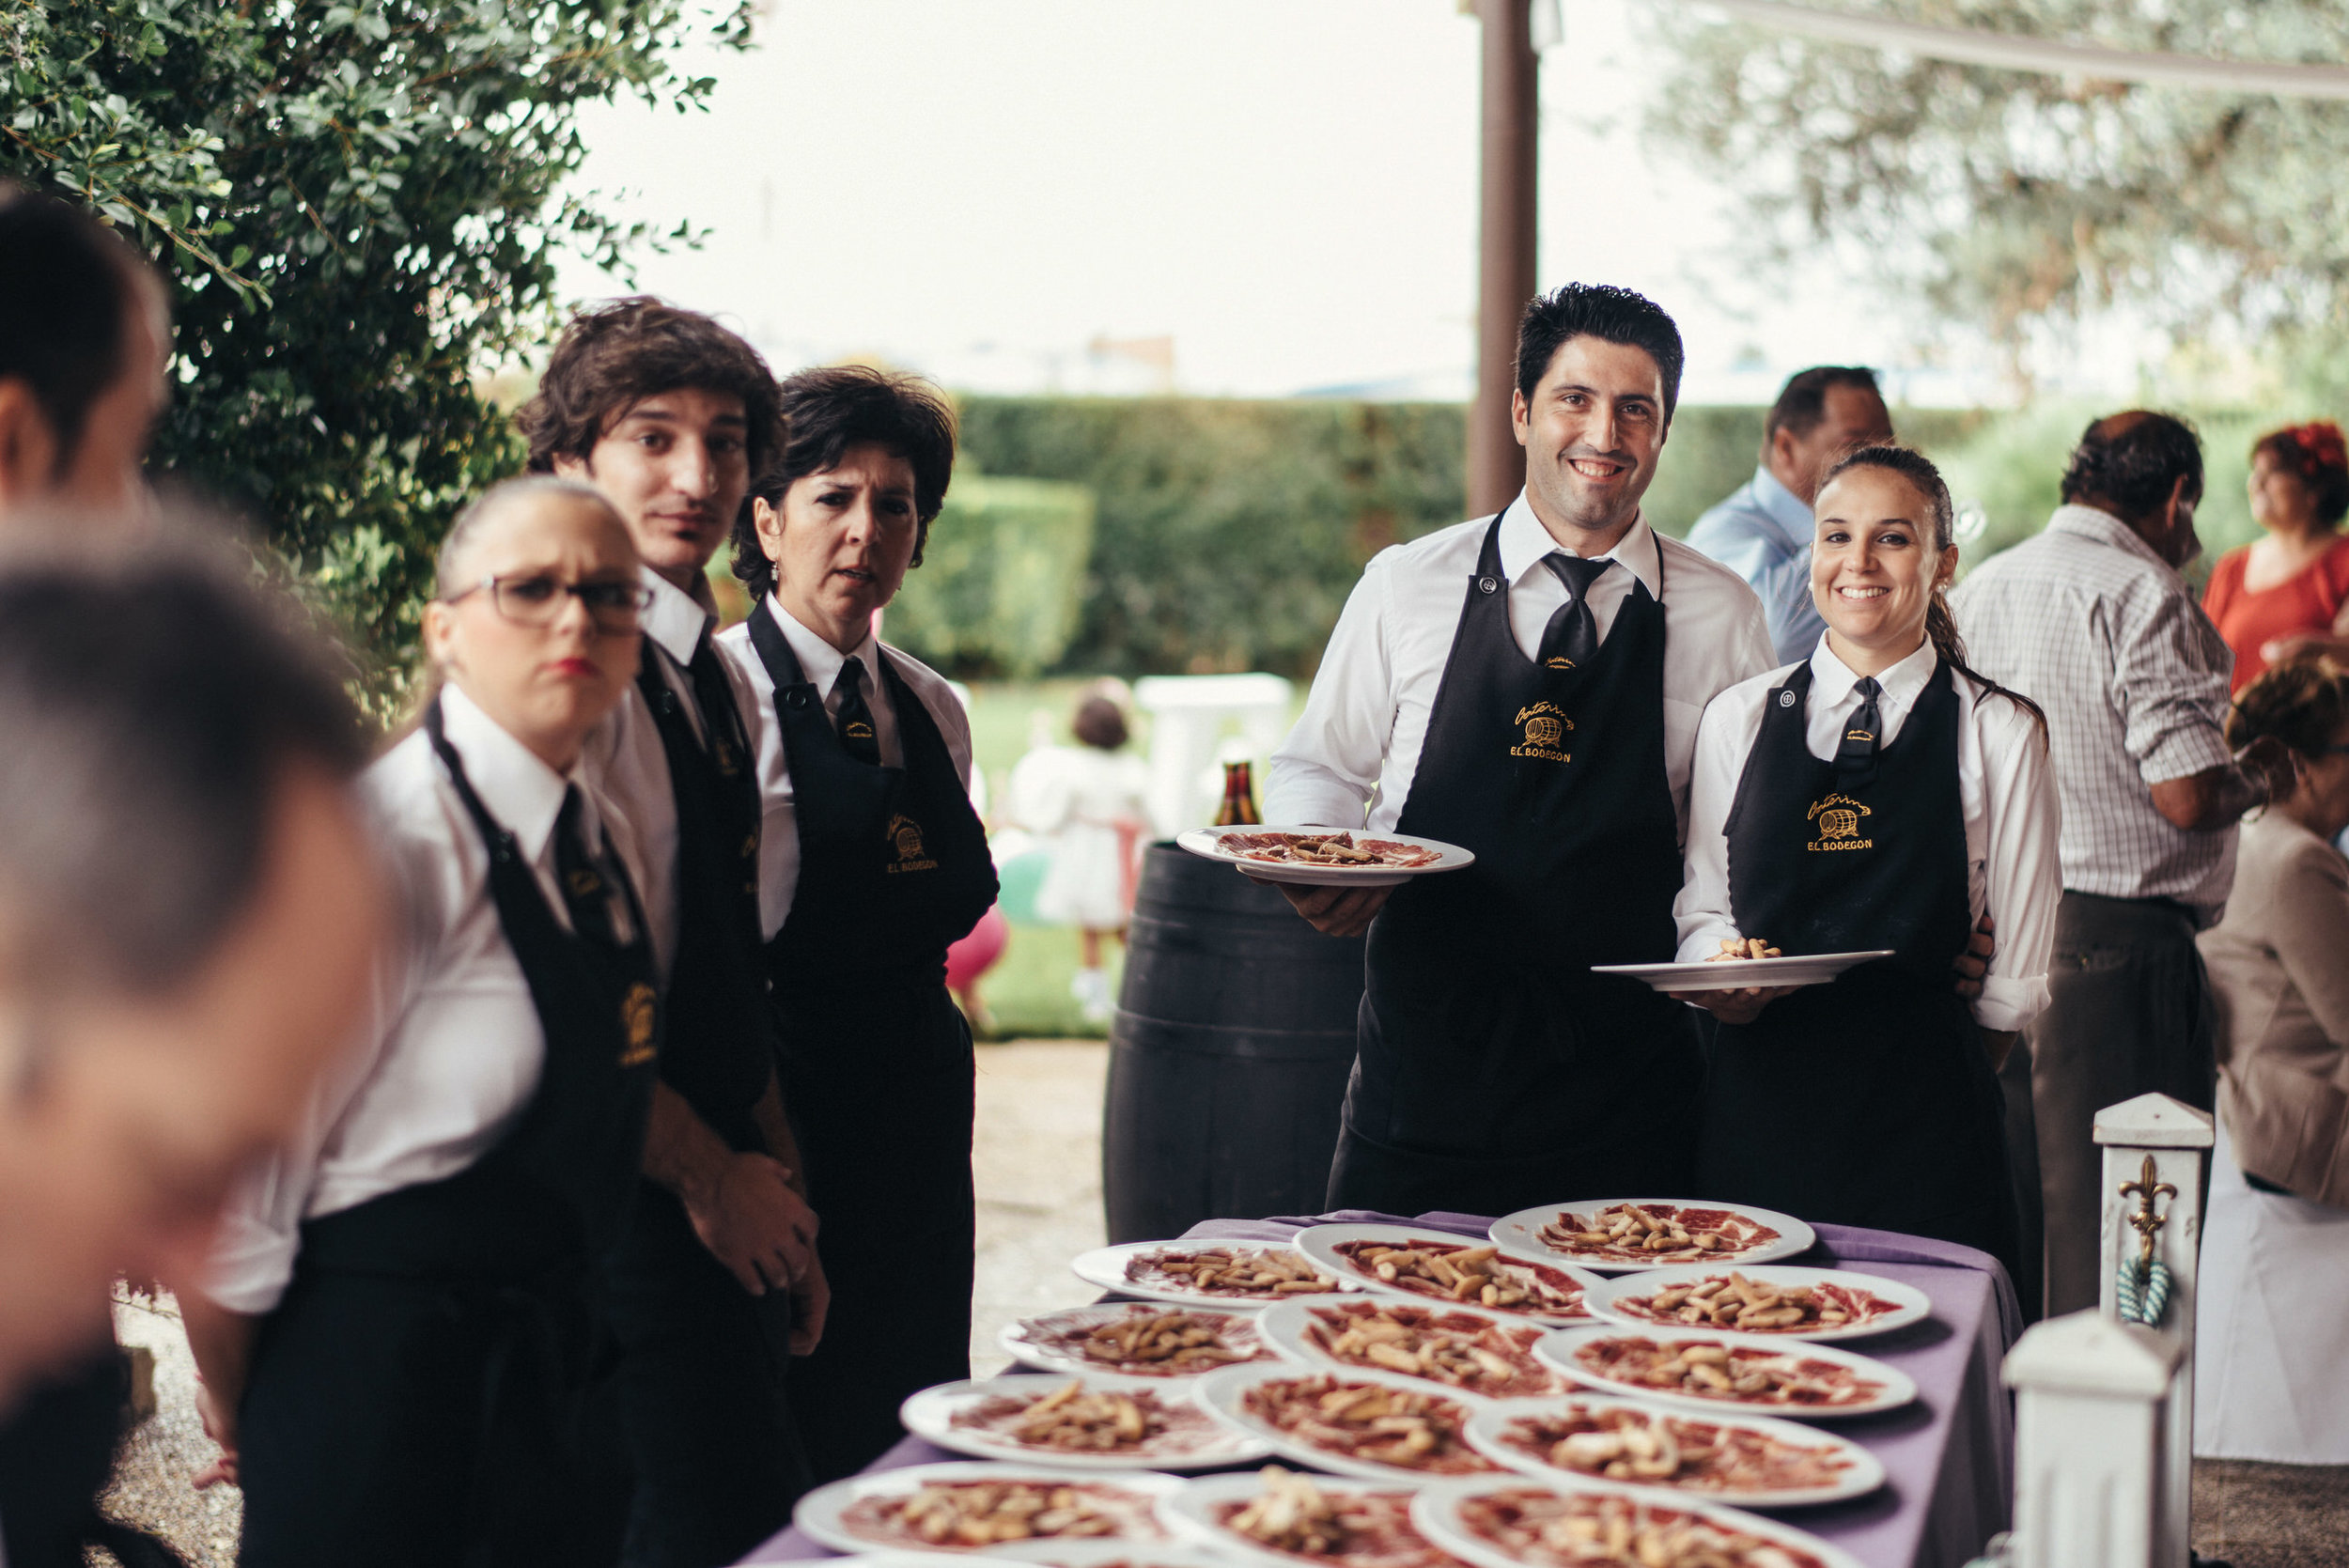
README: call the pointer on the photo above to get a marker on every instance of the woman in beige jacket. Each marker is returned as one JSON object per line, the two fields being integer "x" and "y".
{"x": 2273, "y": 1343}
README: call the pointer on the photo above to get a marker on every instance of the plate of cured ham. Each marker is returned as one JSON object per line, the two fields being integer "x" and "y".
{"x": 1485, "y": 1353}
{"x": 1723, "y": 974}
{"x": 1136, "y": 1338}
{"x": 1514, "y": 1522}
{"x": 1773, "y": 1299}
{"x": 1438, "y": 1266}
{"x": 1277, "y": 1518}
{"x": 973, "y": 1505}
{"x": 1753, "y": 1461}
{"x": 1222, "y": 1273}
{"x": 1089, "y": 1424}
{"x": 1325, "y": 857}
{"x": 1365, "y": 1423}
{"x": 1611, "y": 1235}
{"x": 1714, "y": 1371}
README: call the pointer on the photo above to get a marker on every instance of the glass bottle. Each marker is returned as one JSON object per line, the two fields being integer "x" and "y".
{"x": 1239, "y": 797}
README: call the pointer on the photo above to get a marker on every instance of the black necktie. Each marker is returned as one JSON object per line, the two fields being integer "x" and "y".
{"x": 588, "y": 889}
{"x": 1857, "y": 752}
{"x": 722, "y": 723}
{"x": 855, "y": 720}
{"x": 1572, "y": 635}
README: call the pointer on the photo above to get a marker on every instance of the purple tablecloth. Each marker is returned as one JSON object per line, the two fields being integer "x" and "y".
{"x": 1949, "y": 1458}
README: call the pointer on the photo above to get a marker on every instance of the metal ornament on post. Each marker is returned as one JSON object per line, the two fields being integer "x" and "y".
{"x": 2151, "y": 1243}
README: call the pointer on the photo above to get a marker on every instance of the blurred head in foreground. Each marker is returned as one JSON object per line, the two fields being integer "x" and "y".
{"x": 188, "y": 911}
{"x": 84, "y": 335}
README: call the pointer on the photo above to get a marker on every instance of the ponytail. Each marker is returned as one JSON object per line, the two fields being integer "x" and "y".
{"x": 1941, "y": 626}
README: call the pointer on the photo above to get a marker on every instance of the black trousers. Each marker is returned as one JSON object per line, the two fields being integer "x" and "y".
{"x": 2131, "y": 1015}
{"x": 699, "y": 1394}
{"x": 56, "y": 1450}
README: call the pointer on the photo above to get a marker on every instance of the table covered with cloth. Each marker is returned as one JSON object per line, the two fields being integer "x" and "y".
{"x": 1949, "y": 1458}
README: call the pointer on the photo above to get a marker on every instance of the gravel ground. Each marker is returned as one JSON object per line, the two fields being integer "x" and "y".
{"x": 1038, "y": 1167}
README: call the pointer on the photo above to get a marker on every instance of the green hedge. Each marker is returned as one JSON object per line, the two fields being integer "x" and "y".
{"x": 1001, "y": 583}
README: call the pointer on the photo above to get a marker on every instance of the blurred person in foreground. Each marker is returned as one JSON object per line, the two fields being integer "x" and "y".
{"x": 2091, "y": 619}
{"x": 715, "y": 1283}
{"x": 84, "y": 336}
{"x": 188, "y": 911}
{"x": 872, "y": 864}
{"x": 2287, "y": 593}
{"x": 1761, "y": 531}
{"x": 397, "y": 1332}
{"x": 2272, "y": 1339}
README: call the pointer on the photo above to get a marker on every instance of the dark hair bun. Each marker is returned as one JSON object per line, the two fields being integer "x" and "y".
{"x": 2302, "y": 703}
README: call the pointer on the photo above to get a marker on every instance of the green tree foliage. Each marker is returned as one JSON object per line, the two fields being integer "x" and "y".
{"x": 2001, "y": 197}
{"x": 1001, "y": 585}
{"x": 358, "y": 207}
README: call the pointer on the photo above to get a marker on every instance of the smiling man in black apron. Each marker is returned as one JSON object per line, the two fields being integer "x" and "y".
{"x": 1527, "y": 686}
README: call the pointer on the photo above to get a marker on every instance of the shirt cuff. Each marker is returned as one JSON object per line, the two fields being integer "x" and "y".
{"x": 251, "y": 1265}
{"x": 2008, "y": 1004}
{"x": 2182, "y": 754}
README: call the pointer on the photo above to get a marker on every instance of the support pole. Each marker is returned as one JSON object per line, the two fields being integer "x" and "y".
{"x": 1496, "y": 465}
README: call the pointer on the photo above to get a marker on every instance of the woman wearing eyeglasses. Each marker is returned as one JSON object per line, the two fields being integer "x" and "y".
{"x": 399, "y": 1326}
{"x": 872, "y": 862}
{"x": 1877, "y": 795}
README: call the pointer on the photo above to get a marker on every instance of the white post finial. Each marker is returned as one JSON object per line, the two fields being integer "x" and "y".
{"x": 2087, "y": 1441}
{"x": 2153, "y": 1228}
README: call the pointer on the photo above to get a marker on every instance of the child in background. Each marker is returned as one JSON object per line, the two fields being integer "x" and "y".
{"x": 1090, "y": 810}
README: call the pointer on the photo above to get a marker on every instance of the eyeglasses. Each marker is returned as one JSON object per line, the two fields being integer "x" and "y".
{"x": 537, "y": 601}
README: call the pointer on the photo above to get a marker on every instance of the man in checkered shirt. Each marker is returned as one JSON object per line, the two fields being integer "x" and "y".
{"x": 2092, "y": 620}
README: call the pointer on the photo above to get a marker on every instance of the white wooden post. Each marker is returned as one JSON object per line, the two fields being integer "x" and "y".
{"x": 2088, "y": 1435}
{"x": 2155, "y": 1134}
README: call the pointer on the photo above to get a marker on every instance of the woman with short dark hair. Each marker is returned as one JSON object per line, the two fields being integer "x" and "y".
{"x": 872, "y": 862}
{"x": 2275, "y": 1238}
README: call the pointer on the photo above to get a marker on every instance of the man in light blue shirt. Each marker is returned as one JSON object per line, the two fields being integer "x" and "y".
{"x": 1762, "y": 532}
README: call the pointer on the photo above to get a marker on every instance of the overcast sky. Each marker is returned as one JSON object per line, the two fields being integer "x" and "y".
{"x": 980, "y": 189}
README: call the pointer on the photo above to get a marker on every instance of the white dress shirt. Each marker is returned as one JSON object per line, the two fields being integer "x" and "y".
{"x": 779, "y": 823}
{"x": 2086, "y": 620}
{"x": 2006, "y": 792}
{"x": 675, "y": 623}
{"x": 452, "y": 1048}
{"x": 1349, "y": 761}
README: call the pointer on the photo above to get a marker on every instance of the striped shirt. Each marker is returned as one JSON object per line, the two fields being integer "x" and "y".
{"x": 2103, "y": 634}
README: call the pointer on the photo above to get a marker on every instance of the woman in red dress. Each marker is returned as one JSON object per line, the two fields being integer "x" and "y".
{"x": 2287, "y": 594}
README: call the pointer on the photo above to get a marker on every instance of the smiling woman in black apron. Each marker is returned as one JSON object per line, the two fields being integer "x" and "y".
{"x": 872, "y": 864}
{"x": 1880, "y": 794}
{"x": 400, "y": 1326}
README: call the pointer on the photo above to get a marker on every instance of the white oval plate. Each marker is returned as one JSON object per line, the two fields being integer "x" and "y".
{"x": 1224, "y": 1395}
{"x": 1436, "y": 1510}
{"x": 1863, "y": 1473}
{"x": 1898, "y": 1387}
{"x": 1810, "y": 969}
{"x": 1912, "y": 1305}
{"x": 1520, "y": 1235}
{"x": 1083, "y": 1553}
{"x": 1321, "y": 1243}
{"x": 1207, "y": 843}
{"x": 1287, "y": 1328}
{"x": 1025, "y": 1340}
{"x": 819, "y": 1513}
{"x": 930, "y": 1416}
{"x": 1190, "y": 1513}
{"x": 1105, "y": 1267}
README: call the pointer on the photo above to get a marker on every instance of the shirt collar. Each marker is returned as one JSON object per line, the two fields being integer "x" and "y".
{"x": 521, "y": 792}
{"x": 1831, "y": 679}
{"x": 818, "y": 659}
{"x": 676, "y": 620}
{"x": 1782, "y": 507}
{"x": 1524, "y": 542}
{"x": 2091, "y": 524}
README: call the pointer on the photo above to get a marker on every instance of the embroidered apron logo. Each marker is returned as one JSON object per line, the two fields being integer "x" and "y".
{"x": 636, "y": 1020}
{"x": 1560, "y": 661}
{"x": 1838, "y": 818}
{"x": 858, "y": 730}
{"x": 905, "y": 838}
{"x": 1546, "y": 725}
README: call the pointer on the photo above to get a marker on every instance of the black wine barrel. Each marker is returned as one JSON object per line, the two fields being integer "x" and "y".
{"x": 1229, "y": 1053}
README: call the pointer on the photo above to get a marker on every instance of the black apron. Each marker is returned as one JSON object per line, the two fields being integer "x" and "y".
{"x": 894, "y": 869}
{"x": 698, "y": 1387}
{"x": 1869, "y": 1101}
{"x": 1493, "y": 1071}
{"x": 415, "y": 1396}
